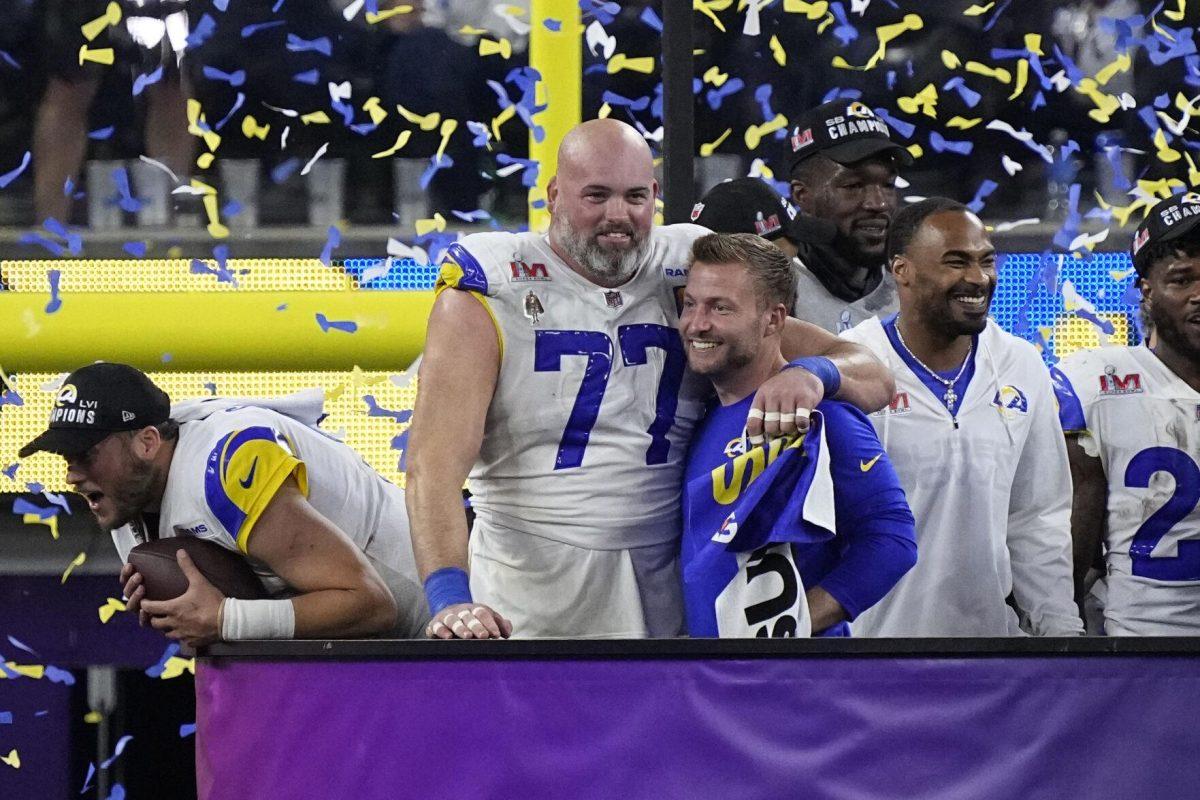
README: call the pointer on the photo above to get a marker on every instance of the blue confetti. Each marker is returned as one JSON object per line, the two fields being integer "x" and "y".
{"x": 6, "y": 718}
{"x": 9, "y": 397}
{"x": 941, "y": 144}
{"x": 400, "y": 443}
{"x": 120, "y": 748}
{"x": 311, "y": 77}
{"x": 434, "y": 165}
{"x": 237, "y": 103}
{"x": 87, "y": 781}
{"x": 234, "y": 79}
{"x": 1074, "y": 73}
{"x": 762, "y": 96}
{"x": 1099, "y": 322}
{"x": 472, "y": 216}
{"x": 730, "y": 87}
{"x": 837, "y": 93}
{"x": 187, "y": 730}
{"x": 74, "y": 240}
{"x": 1039, "y": 100}
{"x": 198, "y": 267}
{"x": 12, "y": 62}
{"x": 102, "y": 134}
{"x": 221, "y": 5}
{"x": 968, "y": 95}
{"x": 142, "y": 81}
{"x": 1162, "y": 101}
{"x": 281, "y": 172}
{"x": 10, "y": 471}
{"x": 156, "y": 670}
{"x": 279, "y": 4}
{"x": 554, "y": 25}
{"x": 281, "y": 307}
{"x": 376, "y": 410}
{"x": 320, "y": 45}
{"x": 337, "y": 325}
{"x": 985, "y": 190}
{"x": 614, "y": 99}
{"x": 651, "y": 20}
{"x": 231, "y": 209}
{"x": 17, "y": 643}
{"x": 845, "y": 32}
{"x": 54, "y": 276}
{"x": 126, "y": 200}
{"x": 250, "y": 30}
{"x": 1000, "y": 9}
{"x": 57, "y": 675}
{"x": 905, "y": 129}
{"x": 135, "y": 249}
{"x": 33, "y": 238}
{"x": 331, "y": 244}
{"x": 1183, "y": 45}
{"x": 205, "y": 28}
{"x": 22, "y": 506}
{"x": 117, "y": 793}
{"x": 9, "y": 177}
{"x": 57, "y": 499}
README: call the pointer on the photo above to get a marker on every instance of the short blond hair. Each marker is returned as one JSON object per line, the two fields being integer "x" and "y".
{"x": 769, "y": 267}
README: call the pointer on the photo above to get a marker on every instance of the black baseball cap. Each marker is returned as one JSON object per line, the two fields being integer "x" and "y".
{"x": 96, "y": 401}
{"x": 1169, "y": 220}
{"x": 845, "y": 131}
{"x": 745, "y": 205}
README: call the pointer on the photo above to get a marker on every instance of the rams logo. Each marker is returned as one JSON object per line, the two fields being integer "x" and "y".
{"x": 859, "y": 110}
{"x": 735, "y": 447}
{"x": 1010, "y": 401}
{"x": 1190, "y": 197}
{"x": 67, "y": 394}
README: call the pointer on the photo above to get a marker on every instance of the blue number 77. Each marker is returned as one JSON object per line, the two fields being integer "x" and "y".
{"x": 636, "y": 340}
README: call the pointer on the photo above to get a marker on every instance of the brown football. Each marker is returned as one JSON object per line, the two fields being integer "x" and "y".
{"x": 224, "y": 569}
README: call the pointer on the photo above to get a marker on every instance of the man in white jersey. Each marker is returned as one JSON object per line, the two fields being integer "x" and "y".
{"x": 973, "y": 434}
{"x": 1132, "y": 420}
{"x": 553, "y": 376}
{"x": 325, "y": 533}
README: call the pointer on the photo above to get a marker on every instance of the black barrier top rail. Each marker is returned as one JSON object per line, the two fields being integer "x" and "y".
{"x": 692, "y": 649}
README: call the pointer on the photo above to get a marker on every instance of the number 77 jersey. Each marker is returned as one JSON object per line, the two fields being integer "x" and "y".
{"x": 1143, "y": 422}
{"x": 589, "y": 425}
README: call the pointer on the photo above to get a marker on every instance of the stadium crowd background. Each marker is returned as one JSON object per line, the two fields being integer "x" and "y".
{"x": 1060, "y": 124}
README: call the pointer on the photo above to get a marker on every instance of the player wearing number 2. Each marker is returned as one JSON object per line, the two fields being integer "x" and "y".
{"x": 553, "y": 375}
{"x": 1132, "y": 419}
{"x": 974, "y": 436}
{"x": 798, "y": 535}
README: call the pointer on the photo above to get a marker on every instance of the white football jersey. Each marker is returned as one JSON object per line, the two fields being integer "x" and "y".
{"x": 229, "y": 463}
{"x": 991, "y": 497}
{"x": 594, "y": 407}
{"x": 1143, "y": 422}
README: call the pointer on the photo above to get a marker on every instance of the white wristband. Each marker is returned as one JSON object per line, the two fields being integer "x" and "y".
{"x": 258, "y": 619}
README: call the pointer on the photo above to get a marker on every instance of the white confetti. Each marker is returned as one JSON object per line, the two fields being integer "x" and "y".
{"x": 1022, "y": 136}
{"x": 752, "y": 26}
{"x": 340, "y": 91}
{"x": 320, "y": 152}
{"x": 287, "y": 112}
{"x": 159, "y": 165}
{"x": 1001, "y": 227}
{"x": 1088, "y": 241}
{"x": 596, "y": 36}
{"x": 1011, "y": 166}
{"x": 399, "y": 249}
{"x": 859, "y": 6}
{"x": 351, "y": 11}
{"x": 283, "y": 139}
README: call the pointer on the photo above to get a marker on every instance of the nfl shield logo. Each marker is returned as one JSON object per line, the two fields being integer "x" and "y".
{"x": 613, "y": 299}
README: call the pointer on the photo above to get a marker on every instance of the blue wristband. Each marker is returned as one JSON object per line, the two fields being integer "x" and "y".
{"x": 825, "y": 371}
{"x": 446, "y": 587}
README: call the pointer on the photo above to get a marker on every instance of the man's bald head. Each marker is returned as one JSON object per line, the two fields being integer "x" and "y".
{"x": 601, "y": 200}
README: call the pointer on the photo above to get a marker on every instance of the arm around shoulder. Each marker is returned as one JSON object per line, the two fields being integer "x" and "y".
{"x": 866, "y": 382}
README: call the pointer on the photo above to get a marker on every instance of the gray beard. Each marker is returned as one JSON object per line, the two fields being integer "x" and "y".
{"x": 603, "y": 266}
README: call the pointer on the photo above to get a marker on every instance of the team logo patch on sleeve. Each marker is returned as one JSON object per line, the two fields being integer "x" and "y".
{"x": 460, "y": 270}
{"x": 1010, "y": 401}
{"x": 243, "y": 472}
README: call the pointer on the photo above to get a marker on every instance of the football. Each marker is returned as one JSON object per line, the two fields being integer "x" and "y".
{"x": 224, "y": 569}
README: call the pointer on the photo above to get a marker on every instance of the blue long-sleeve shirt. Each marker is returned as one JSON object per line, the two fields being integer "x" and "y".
{"x": 875, "y": 543}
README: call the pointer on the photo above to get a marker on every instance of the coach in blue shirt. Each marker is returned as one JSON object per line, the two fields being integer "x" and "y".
{"x": 790, "y": 536}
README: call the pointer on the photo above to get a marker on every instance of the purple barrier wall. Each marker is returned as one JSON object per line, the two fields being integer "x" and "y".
{"x": 1008, "y": 727}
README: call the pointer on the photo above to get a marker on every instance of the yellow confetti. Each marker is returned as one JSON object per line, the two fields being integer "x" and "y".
{"x": 605, "y": 110}
{"x": 1177, "y": 14}
{"x": 50, "y": 522}
{"x": 424, "y": 226}
{"x": 814, "y": 11}
{"x": 886, "y": 34}
{"x": 777, "y": 51}
{"x": 950, "y": 60}
{"x": 620, "y": 61}
{"x": 467, "y": 30}
{"x": 252, "y": 130}
{"x": 103, "y": 55}
{"x": 35, "y": 671}
{"x": 335, "y": 392}
{"x": 755, "y": 133}
{"x": 197, "y": 126}
{"x": 489, "y": 48}
{"x": 377, "y": 112}
{"x": 12, "y": 759}
{"x": 176, "y": 666}
{"x": 1033, "y": 43}
{"x": 714, "y": 76}
{"x": 75, "y": 562}
{"x": 1022, "y": 78}
{"x": 426, "y": 122}
{"x": 448, "y": 127}
{"x": 93, "y": 717}
{"x": 924, "y": 101}
{"x": 110, "y": 607}
{"x": 215, "y": 228}
{"x": 1106, "y": 104}
{"x": 707, "y": 10}
{"x": 111, "y": 16}
{"x": 915, "y": 150}
{"x": 708, "y": 148}
{"x": 315, "y": 118}
{"x": 205, "y": 160}
{"x": 999, "y": 73}
{"x": 1121, "y": 63}
{"x": 1165, "y": 153}
{"x": 1193, "y": 173}
{"x": 976, "y": 11}
{"x": 203, "y": 187}
{"x": 963, "y": 123}
{"x": 374, "y": 17}
{"x": 504, "y": 116}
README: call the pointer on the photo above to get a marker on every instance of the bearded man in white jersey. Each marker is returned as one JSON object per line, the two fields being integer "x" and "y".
{"x": 553, "y": 376}
{"x": 1132, "y": 421}
{"x": 973, "y": 434}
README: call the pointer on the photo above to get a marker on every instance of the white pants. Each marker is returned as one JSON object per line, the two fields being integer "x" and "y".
{"x": 553, "y": 590}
